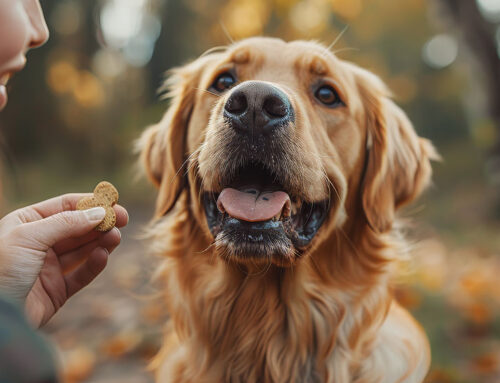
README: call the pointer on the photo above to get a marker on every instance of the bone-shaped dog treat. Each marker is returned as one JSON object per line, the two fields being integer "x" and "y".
{"x": 106, "y": 196}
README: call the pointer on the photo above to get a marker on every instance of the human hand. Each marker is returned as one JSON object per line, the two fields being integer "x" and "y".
{"x": 49, "y": 251}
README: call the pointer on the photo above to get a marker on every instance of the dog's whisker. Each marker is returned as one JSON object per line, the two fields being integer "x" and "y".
{"x": 206, "y": 249}
{"x": 264, "y": 270}
{"x": 182, "y": 165}
{"x": 207, "y": 91}
{"x": 330, "y": 185}
{"x": 335, "y": 41}
{"x": 189, "y": 161}
{"x": 226, "y": 32}
{"x": 339, "y": 36}
{"x": 345, "y": 49}
{"x": 217, "y": 49}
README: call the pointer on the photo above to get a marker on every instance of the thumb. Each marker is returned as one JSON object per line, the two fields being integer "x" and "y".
{"x": 67, "y": 224}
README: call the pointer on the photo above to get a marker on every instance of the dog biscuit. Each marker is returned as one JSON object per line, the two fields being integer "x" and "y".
{"x": 106, "y": 196}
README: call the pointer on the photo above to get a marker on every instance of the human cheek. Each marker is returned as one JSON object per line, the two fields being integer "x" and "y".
{"x": 14, "y": 28}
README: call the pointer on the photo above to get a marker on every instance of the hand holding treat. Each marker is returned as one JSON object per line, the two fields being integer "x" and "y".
{"x": 50, "y": 251}
{"x": 106, "y": 196}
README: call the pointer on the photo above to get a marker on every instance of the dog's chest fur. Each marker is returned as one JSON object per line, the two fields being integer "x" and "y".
{"x": 272, "y": 325}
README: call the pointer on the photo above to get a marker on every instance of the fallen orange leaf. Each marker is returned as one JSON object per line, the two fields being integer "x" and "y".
{"x": 478, "y": 313}
{"x": 120, "y": 344}
{"x": 78, "y": 364}
{"x": 486, "y": 364}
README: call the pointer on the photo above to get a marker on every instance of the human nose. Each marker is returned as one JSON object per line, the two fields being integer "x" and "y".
{"x": 40, "y": 31}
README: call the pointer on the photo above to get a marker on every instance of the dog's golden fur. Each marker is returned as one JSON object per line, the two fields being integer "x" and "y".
{"x": 325, "y": 314}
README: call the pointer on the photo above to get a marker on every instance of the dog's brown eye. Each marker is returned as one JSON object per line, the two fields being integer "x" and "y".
{"x": 224, "y": 81}
{"x": 328, "y": 96}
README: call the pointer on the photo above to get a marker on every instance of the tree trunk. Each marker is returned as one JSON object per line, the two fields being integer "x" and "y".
{"x": 479, "y": 35}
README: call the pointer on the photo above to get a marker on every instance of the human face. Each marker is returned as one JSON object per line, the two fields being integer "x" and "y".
{"x": 22, "y": 26}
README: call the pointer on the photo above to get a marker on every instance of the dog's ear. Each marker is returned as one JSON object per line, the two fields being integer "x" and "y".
{"x": 398, "y": 161}
{"x": 163, "y": 146}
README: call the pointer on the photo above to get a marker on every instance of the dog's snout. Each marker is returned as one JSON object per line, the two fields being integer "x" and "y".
{"x": 257, "y": 107}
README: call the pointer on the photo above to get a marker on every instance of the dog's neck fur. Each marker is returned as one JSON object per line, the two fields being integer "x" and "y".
{"x": 289, "y": 324}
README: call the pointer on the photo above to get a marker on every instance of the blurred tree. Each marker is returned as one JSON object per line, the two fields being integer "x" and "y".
{"x": 479, "y": 36}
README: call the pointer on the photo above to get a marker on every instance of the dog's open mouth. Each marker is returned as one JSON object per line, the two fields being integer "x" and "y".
{"x": 256, "y": 216}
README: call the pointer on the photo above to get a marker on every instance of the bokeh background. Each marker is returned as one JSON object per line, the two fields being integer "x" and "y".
{"x": 84, "y": 97}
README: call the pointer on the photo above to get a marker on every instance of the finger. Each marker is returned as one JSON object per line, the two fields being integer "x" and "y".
{"x": 46, "y": 208}
{"x": 46, "y": 232}
{"x": 121, "y": 216}
{"x": 74, "y": 258}
{"x": 68, "y": 202}
{"x": 58, "y": 204}
{"x": 74, "y": 243}
{"x": 86, "y": 273}
{"x": 113, "y": 242}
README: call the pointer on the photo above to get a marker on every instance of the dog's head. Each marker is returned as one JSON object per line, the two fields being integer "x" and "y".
{"x": 277, "y": 143}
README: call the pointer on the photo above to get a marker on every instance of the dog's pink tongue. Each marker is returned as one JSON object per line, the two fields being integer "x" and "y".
{"x": 252, "y": 206}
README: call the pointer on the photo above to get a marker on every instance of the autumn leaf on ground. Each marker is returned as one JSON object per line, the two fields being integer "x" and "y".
{"x": 78, "y": 364}
{"x": 121, "y": 343}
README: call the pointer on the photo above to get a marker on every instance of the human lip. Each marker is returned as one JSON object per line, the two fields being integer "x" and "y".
{"x": 6, "y": 76}
{"x": 4, "y": 79}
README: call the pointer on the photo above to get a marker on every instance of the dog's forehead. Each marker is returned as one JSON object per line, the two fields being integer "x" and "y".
{"x": 269, "y": 52}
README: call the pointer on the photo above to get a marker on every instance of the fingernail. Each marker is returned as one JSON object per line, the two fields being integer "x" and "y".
{"x": 118, "y": 231}
{"x": 95, "y": 214}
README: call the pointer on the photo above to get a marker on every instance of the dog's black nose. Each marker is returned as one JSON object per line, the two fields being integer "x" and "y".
{"x": 257, "y": 107}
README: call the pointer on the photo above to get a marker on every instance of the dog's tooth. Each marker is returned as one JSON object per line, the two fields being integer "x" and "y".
{"x": 296, "y": 206}
{"x": 285, "y": 212}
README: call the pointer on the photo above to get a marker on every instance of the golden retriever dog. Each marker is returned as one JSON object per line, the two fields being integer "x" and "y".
{"x": 280, "y": 169}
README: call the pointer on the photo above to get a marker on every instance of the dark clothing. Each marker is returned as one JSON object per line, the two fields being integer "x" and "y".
{"x": 24, "y": 356}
